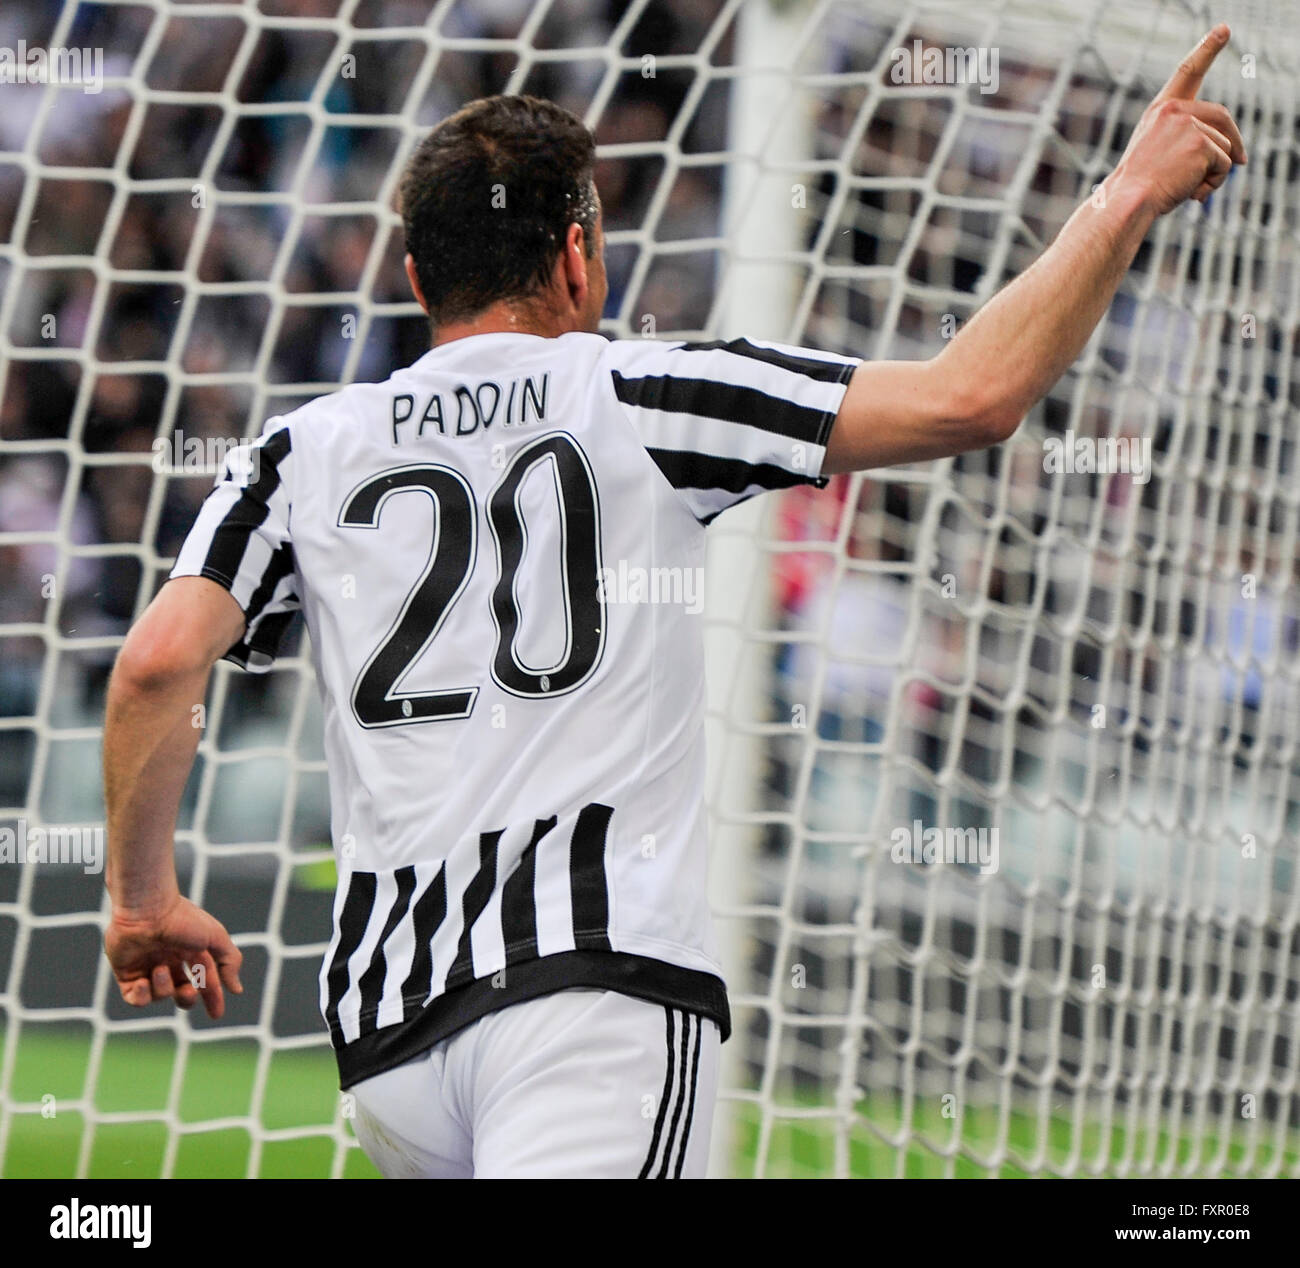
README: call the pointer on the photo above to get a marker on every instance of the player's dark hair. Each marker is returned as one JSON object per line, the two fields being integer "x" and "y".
{"x": 488, "y": 197}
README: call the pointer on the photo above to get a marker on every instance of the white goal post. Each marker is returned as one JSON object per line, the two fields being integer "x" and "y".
{"x": 1004, "y": 777}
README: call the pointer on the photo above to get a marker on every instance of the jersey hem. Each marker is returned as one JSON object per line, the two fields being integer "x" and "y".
{"x": 634, "y": 975}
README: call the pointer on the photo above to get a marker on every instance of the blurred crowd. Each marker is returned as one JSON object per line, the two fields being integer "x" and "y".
{"x": 294, "y": 261}
{"x": 1079, "y": 632}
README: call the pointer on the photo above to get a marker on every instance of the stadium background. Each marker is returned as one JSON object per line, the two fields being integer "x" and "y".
{"x": 81, "y": 409}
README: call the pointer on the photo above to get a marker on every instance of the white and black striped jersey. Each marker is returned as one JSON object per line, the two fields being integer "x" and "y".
{"x": 497, "y": 554}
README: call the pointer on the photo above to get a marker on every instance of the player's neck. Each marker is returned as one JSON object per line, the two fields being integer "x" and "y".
{"x": 504, "y": 318}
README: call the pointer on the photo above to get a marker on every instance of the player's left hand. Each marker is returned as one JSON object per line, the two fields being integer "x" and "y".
{"x": 182, "y": 953}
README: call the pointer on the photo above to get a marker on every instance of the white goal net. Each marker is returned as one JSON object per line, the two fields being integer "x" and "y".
{"x": 1005, "y": 785}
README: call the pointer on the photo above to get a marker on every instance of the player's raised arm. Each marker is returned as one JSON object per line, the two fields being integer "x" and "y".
{"x": 976, "y": 392}
{"x": 149, "y": 744}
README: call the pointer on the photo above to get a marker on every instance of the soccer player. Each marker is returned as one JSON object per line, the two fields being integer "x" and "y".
{"x": 522, "y": 980}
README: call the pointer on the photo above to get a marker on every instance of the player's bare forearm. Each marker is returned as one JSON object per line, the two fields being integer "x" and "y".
{"x": 150, "y": 739}
{"x": 976, "y": 392}
{"x": 161, "y": 945}
{"x": 1030, "y": 333}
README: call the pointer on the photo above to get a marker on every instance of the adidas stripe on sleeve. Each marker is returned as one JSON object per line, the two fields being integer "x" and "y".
{"x": 241, "y": 541}
{"x": 726, "y": 420}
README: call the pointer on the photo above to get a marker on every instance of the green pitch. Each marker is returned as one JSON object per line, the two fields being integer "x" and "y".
{"x": 220, "y": 1079}
{"x": 135, "y": 1077}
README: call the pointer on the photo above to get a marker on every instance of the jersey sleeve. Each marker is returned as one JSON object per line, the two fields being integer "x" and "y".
{"x": 241, "y": 541}
{"x": 726, "y": 420}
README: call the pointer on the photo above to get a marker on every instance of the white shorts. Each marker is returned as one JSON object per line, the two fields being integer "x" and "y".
{"x": 581, "y": 1083}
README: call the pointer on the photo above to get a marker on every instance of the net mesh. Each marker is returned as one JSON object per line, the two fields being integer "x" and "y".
{"x": 1092, "y": 673}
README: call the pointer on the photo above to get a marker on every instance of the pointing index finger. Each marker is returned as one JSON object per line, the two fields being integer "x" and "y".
{"x": 1185, "y": 82}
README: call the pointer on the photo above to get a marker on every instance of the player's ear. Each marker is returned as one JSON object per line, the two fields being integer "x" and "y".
{"x": 574, "y": 262}
{"x": 414, "y": 279}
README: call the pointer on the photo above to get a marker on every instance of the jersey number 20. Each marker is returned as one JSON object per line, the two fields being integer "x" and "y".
{"x": 375, "y": 700}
